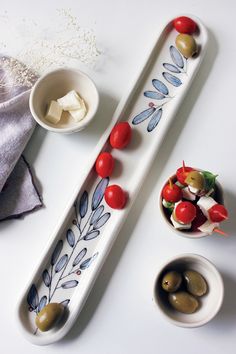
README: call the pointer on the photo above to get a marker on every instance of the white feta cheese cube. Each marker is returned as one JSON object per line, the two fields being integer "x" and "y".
{"x": 70, "y": 102}
{"x": 79, "y": 114}
{"x": 208, "y": 227}
{"x": 205, "y": 203}
{"x": 193, "y": 190}
{"x": 178, "y": 225}
{"x": 54, "y": 112}
{"x": 187, "y": 194}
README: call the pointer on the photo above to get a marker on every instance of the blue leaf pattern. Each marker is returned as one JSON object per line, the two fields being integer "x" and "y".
{"x": 79, "y": 257}
{"x": 141, "y": 117}
{"x": 70, "y": 238}
{"x": 96, "y": 215}
{"x": 99, "y": 193}
{"x": 46, "y": 278}
{"x": 61, "y": 263}
{"x": 101, "y": 221}
{"x": 160, "y": 86}
{"x": 69, "y": 284}
{"x": 176, "y": 57}
{"x": 91, "y": 235}
{"x": 32, "y": 297}
{"x": 173, "y": 80}
{"x": 171, "y": 68}
{"x": 88, "y": 262}
{"x": 56, "y": 252}
{"x": 154, "y": 120}
{"x": 65, "y": 302}
{"x": 42, "y": 303}
{"x": 83, "y": 205}
{"x": 154, "y": 95}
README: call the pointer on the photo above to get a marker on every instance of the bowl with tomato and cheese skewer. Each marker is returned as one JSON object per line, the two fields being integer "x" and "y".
{"x": 192, "y": 204}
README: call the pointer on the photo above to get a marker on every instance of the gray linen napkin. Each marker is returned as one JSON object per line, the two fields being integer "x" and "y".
{"x": 18, "y": 193}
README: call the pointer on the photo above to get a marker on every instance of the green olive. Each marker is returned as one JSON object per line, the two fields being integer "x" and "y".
{"x": 195, "y": 179}
{"x": 196, "y": 284}
{"x": 49, "y": 316}
{"x": 183, "y": 302}
{"x": 171, "y": 281}
{"x": 186, "y": 45}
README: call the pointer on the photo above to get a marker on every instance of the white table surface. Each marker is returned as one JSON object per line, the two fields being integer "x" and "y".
{"x": 120, "y": 316}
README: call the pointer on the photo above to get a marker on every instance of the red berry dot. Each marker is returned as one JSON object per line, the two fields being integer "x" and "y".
{"x": 151, "y": 104}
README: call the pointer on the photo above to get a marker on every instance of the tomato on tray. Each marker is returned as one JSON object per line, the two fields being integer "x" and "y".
{"x": 115, "y": 197}
{"x": 184, "y": 24}
{"x": 120, "y": 135}
{"x": 104, "y": 164}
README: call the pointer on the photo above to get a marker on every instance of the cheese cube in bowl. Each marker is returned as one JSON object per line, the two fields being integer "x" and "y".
{"x": 73, "y": 92}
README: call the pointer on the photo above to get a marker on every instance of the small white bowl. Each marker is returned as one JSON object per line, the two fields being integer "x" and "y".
{"x": 56, "y": 84}
{"x": 210, "y": 303}
{"x": 186, "y": 233}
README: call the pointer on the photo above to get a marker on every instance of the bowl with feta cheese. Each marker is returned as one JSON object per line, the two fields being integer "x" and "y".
{"x": 192, "y": 204}
{"x": 64, "y": 100}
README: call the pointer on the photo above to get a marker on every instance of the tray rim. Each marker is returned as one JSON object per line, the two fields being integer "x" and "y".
{"x": 55, "y": 336}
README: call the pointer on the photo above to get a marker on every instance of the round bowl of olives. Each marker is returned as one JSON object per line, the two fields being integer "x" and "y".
{"x": 189, "y": 290}
{"x": 191, "y": 202}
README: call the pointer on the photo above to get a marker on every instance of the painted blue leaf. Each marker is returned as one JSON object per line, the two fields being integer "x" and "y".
{"x": 171, "y": 68}
{"x": 61, "y": 263}
{"x": 83, "y": 204}
{"x": 160, "y": 86}
{"x": 56, "y": 252}
{"x": 176, "y": 57}
{"x": 155, "y": 120}
{"x": 65, "y": 303}
{"x": 141, "y": 117}
{"x": 32, "y": 297}
{"x": 173, "y": 80}
{"x": 101, "y": 221}
{"x": 99, "y": 193}
{"x": 154, "y": 95}
{"x": 79, "y": 257}
{"x": 96, "y": 215}
{"x": 46, "y": 278}
{"x": 69, "y": 284}
{"x": 42, "y": 303}
{"x": 70, "y": 238}
{"x": 92, "y": 234}
{"x": 88, "y": 261}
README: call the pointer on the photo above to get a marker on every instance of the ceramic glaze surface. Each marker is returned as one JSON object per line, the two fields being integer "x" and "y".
{"x": 88, "y": 228}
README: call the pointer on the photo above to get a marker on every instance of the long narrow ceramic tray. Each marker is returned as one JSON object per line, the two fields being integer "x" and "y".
{"x": 81, "y": 241}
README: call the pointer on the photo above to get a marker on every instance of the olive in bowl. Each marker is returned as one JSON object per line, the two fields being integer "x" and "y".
{"x": 184, "y": 307}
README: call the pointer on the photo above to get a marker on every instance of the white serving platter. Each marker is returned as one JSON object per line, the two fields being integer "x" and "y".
{"x": 88, "y": 228}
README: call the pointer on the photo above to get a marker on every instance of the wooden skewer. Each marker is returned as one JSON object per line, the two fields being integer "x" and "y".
{"x": 221, "y": 232}
{"x": 170, "y": 183}
{"x": 184, "y": 166}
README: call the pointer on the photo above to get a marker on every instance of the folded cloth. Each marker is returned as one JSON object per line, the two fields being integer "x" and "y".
{"x": 16, "y": 127}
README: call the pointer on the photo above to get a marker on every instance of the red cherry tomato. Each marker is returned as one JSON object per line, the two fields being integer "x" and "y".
{"x": 218, "y": 213}
{"x": 185, "y": 212}
{"x": 185, "y": 24}
{"x": 120, "y": 135}
{"x": 182, "y": 173}
{"x": 199, "y": 220}
{"x": 104, "y": 164}
{"x": 115, "y": 197}
{"x": 172, "y": 193}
